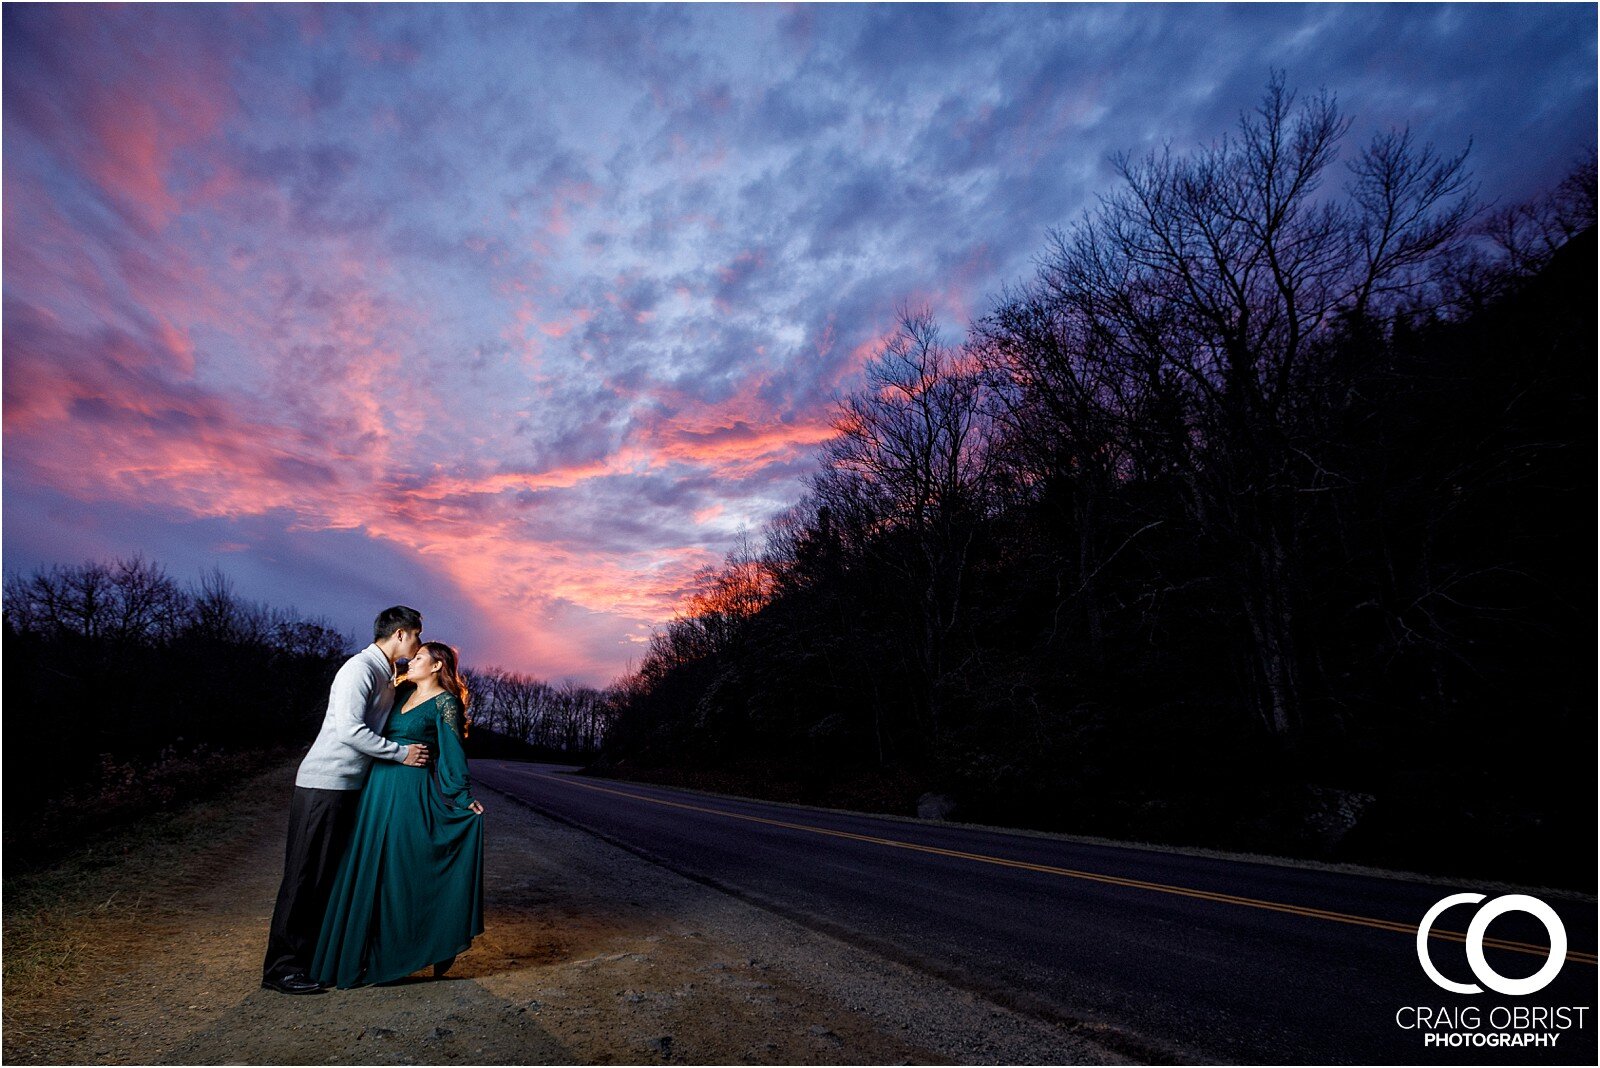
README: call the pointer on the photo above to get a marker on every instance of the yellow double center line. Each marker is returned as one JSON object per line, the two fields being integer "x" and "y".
{"x": 1089, "y": 876}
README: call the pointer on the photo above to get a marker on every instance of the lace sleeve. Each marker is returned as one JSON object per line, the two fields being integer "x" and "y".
{"x": 450, "y": 712}
{"x": 451, "y": 765}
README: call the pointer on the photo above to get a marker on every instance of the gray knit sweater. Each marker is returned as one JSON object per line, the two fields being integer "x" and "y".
{"x": 350, "y": 738}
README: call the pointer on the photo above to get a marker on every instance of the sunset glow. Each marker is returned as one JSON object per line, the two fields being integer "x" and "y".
{"x": 520, "y": 315}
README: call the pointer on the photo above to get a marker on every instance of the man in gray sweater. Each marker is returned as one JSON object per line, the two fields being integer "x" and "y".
{"x": 327, "y": 790}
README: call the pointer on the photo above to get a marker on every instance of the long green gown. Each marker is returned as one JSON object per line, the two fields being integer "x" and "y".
{"x": 409, "y": 892}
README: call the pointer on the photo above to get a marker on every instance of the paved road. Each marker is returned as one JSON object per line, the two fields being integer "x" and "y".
{"x": 1179, "y": 956}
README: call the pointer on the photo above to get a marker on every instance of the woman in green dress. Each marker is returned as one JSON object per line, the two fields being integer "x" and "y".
{"x": 409, "y": 892}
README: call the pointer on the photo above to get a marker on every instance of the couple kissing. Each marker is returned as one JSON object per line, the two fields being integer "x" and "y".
{"x": 383, "y": 867}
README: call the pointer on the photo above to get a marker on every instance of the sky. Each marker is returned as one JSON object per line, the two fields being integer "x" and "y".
{"x": 522, "y": 314}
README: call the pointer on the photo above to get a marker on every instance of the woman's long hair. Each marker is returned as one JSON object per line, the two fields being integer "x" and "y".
{"x": 450, "y": 678}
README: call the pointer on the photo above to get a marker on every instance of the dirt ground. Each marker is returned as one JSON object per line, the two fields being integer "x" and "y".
{"x": 591, "y": 955}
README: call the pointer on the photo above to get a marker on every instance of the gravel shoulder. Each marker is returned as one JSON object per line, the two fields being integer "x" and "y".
{"x": 591, "y": 955}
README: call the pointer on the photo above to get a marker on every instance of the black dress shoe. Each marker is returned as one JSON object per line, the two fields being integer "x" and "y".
{"x": 297, "y": 983}
{"x": 443, "y": 966}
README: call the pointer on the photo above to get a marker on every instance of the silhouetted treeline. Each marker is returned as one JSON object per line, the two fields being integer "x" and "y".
{"x": 1261, "y": 517}
{"x": 556, "y": 721}
{"x": 126, "y": 690}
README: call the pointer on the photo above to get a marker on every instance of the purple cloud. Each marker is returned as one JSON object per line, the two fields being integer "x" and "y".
{"x": 522, "y": 314}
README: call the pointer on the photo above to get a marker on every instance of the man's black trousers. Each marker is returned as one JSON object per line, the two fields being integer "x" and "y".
{"x": 320, "y": 822}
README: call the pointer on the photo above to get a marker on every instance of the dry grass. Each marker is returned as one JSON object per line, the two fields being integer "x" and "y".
{"x": 129, "y": 793}
{"x": 60, "y": 920}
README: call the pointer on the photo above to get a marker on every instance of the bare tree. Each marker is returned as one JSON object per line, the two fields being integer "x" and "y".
{"x": 149, "y": 606}
{"x": 908, "y": 472}
{"x": 216, "y": 610}
{"x": 1516, "y": 241}
{"x": 1063, "y": 408}
{"x": 1528, "y": 234}
{"x": 315, "y": 638}
{"x": 1197, "y": 303}
{"x": 127, "y": 601}
{"x": 721, "y": 601}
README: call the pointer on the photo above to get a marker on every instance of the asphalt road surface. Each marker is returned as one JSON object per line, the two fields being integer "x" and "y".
{"x": 1185, "y": 957}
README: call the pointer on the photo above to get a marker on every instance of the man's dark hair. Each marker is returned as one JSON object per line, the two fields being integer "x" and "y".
{"x": 397, "y": 618}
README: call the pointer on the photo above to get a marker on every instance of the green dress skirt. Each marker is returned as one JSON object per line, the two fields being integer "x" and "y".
{"x": 409, "y": 892}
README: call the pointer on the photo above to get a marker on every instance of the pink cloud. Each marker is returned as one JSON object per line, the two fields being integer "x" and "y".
{"x": 564, "y": 198}
{"x": 743, "y": 265}
{"x": 113, "y": 423}
{"x": 561, "y": 327}
{"x": 134, "y": 120}
{"x": 115, "y": 430}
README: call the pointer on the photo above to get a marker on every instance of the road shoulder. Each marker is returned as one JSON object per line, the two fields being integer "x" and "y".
{"x": 591, "y": 955}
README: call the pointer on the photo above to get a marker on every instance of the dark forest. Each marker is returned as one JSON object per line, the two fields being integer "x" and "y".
{"x": 1260, "y": 518}
{"x": 148, "y": 693}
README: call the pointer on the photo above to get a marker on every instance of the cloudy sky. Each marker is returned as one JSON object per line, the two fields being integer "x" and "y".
{"x": 520, "y": 314}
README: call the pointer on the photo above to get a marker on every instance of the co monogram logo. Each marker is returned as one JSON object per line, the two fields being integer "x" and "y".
{"x": 1475, "y": 932}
